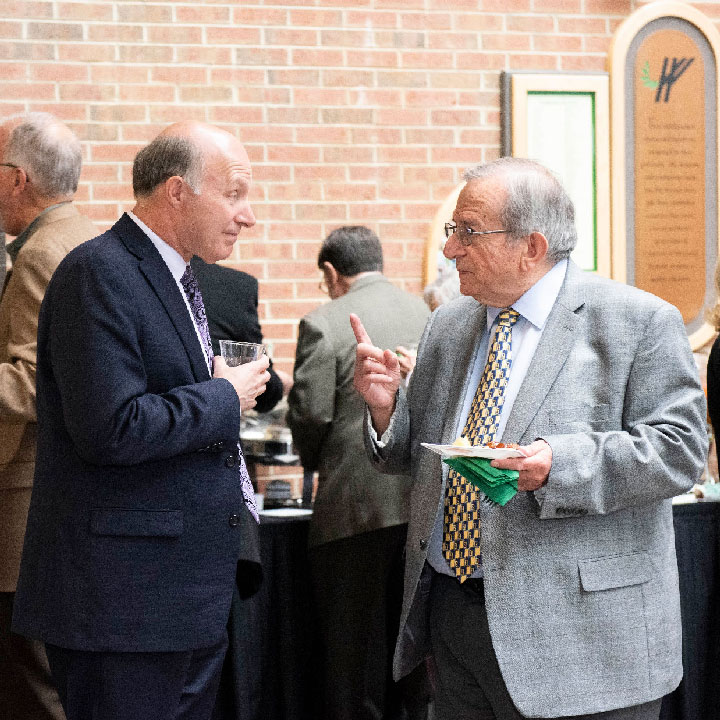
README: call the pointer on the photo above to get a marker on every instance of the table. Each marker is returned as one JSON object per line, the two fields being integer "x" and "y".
{"x": 271, "y": 668}
{"x": 697, "y": 542}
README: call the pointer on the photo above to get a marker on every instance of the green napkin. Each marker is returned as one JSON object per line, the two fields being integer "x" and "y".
{"x": 499, "y": 485}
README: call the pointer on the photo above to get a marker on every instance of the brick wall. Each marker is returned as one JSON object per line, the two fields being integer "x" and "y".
{"x": 352, "y": 111}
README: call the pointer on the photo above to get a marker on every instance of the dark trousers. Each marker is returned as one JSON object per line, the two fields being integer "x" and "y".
{"x": 357, "y": 588}
{"x": 26, "y": 688}
{"x": 137, "y": 686}
{"x": 470, "y": 685}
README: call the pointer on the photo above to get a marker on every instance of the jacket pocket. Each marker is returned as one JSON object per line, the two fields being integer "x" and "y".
{"x": 136, "y": 523}
{"x": 614, "y": 571}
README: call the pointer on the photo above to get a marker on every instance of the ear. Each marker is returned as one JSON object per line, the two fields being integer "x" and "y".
{"x": 20, "y": 182}
{"x": 330, "y": 273}
{"x": 174, "y": 188}
{"x": 536, "y": 251}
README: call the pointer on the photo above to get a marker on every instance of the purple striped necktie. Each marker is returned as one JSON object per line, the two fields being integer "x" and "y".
{"x": 192, "y": 291}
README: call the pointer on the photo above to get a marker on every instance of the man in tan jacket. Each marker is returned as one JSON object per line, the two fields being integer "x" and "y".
{"x": 40, "y": 163}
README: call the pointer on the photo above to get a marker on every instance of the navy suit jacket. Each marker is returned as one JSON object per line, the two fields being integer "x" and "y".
{"x": 137, "y": 521}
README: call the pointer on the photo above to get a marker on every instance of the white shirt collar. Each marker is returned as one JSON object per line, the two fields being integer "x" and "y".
{"x": 535, "y": 305}
{"x": 173, "y": 259}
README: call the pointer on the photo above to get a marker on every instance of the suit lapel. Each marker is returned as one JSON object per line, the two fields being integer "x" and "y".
{"x": 469, "y": 327}
{"x": 553, "y": 350}
{"x": 159, "y": 277}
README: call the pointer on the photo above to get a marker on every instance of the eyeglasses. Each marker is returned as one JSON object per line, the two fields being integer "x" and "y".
{"x": 465, "y": 235}
{"x": 17, "y": 167}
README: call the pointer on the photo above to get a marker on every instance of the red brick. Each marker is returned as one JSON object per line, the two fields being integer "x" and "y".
{"x": 115, "y": 33}
{"x": 384, "y": 173}
{"x": 235, "y": 76}
{"x": 401, "y": 39}
{"x": 582, "y": 25}
{"x": 563, "y": 6}
{"x": 147, "y": 93}
{"x": 144, "y": 13}
{"x": 371, "y": 18}
{"x": 85, "y": 52}
{"x": 286, "y": 37}
{"x": 294, "y": 154}
{"x": 206, "y": 94}
{"x": 118, "y": 73}
{"x": 63, "y": 111}
{"x": 322, "y": 135}
{"x": 117, "y": 152}
{"x": 175, "y": 113}
{"x": 533, "y": 62}
{"x": 86, "y": 91}
{"x": 202, "y": 14}
{"x": 479, "y": 22}
{"x": 17, "y": 71}
{"x": 401, "y": 79}
{"x": 201, "y": 55}
{"x": 293, "y": 77}
{"x": 453, "y": 41}
{"x": 264, "y": 133}
{"x": 530, "y": 23}
{"x": 98, "y": 173}
{"x": 402, "y": 154}
{"x": 368, "y": 97}
{"x": 374, "y": 211}
{"x": 597, "y": 44}
{"x": 316, "y": 18}
{"x": 233, "y": 36}
{"x": 347, "y": 154}
{"x": 34, "y": 91}
{"x": 346, "y": 116}
{"x": 506, "y": 6}
{"x": 376, "y": 136}
{"x": 295, "y": 191}
{"x": 316, "y": 96}
{"x": 426, "y": 59}
{"x": 431, "y": 98}
{"x": 400, "y": 4}
{"x": 426, "y": 21}
{"x": 403, "y": 191}
{"x": 10, "y": 30}
{"x": 480, "y": 61}
{"x": 347, "y": 78}
{"x": 261, "y": 56}
{"x": 320, "y": 211}
{"x": 557, "y": 43}
{"x": 259, "y": 16}
{"x": 145, "y": 53}
{"x": 26, "y": 10}
{"x": 117, "y": 113}
{"x": 429, "y": 136}
{"x": 372, "y": 58}
{"x": 319, "y": 173}
{"x": 108, "y": 191}
{"x": 428, "y": 174}
{"x": 583, "y": 62}
{"x": 466, "y": 156}
{"x": 317, "y": 58}
{"x": 296, "y": 231}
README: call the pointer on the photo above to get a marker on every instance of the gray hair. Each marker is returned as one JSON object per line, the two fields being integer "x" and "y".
{"x": 165, "y": 157}
{"x": 48, "y": 152}
{"x": 536, "y": 202}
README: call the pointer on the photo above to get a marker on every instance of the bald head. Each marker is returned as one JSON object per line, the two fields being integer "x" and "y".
{"x": 182, "y": 149}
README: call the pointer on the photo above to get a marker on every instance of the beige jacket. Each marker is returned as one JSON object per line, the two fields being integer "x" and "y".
{"x": 57, "y": 232}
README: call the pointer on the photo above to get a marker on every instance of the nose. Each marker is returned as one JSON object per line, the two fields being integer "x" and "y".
{"x": 245, "y": 216}
{"x": 452, "y": 247}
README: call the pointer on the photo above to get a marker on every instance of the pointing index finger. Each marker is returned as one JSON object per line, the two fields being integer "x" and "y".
{"x": 359, "y": 329}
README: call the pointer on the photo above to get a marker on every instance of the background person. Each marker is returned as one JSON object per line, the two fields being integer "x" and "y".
{"x": 564, "y": 602}
{"x": 231, "y": 305}
{"x": 40, "y": 163}
{"x": 141, "y": 520}
{"x": 359, "y": 522}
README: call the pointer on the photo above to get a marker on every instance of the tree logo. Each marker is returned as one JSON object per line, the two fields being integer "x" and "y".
{"x": 667, "y": 77}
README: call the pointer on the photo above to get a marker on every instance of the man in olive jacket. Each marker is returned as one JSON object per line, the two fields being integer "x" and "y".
{"x": 359, "y": 522}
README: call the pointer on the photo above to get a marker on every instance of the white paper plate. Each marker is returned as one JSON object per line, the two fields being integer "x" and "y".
{"x": 286, "y": 512}
{"x": 475, "y": 451}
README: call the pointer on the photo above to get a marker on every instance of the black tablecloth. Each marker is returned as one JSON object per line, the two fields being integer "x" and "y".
{"x": 697, "y": 540}
{"x": 270, "y": 670}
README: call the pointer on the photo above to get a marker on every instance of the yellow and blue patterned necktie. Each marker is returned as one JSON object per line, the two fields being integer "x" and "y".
{"x": 461, "y": 524}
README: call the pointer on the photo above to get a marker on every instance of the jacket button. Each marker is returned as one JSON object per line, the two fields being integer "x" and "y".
{"x": 230, "y": 461}
{"x": 423, "y": 544}
{"x": 234, "y": 520}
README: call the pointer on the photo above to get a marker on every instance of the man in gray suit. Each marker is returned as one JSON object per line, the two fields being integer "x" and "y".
{"x": 358, "y": 528}
{"x": 564, "y": 602}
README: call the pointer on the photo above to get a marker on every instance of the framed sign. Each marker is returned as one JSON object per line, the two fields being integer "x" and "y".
{"x": 665, "y": 158}
{"x": 562, "y": 121}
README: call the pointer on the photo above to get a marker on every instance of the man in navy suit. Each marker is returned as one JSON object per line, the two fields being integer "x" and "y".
{"x": 140, "y": 522}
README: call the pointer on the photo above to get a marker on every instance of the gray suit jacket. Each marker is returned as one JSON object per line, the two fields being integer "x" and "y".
{"x": 580, "y": 576}
{"x": 326, "y": 413}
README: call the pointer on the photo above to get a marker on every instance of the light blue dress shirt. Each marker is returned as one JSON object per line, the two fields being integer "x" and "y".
{"x": 534, "y": 308}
